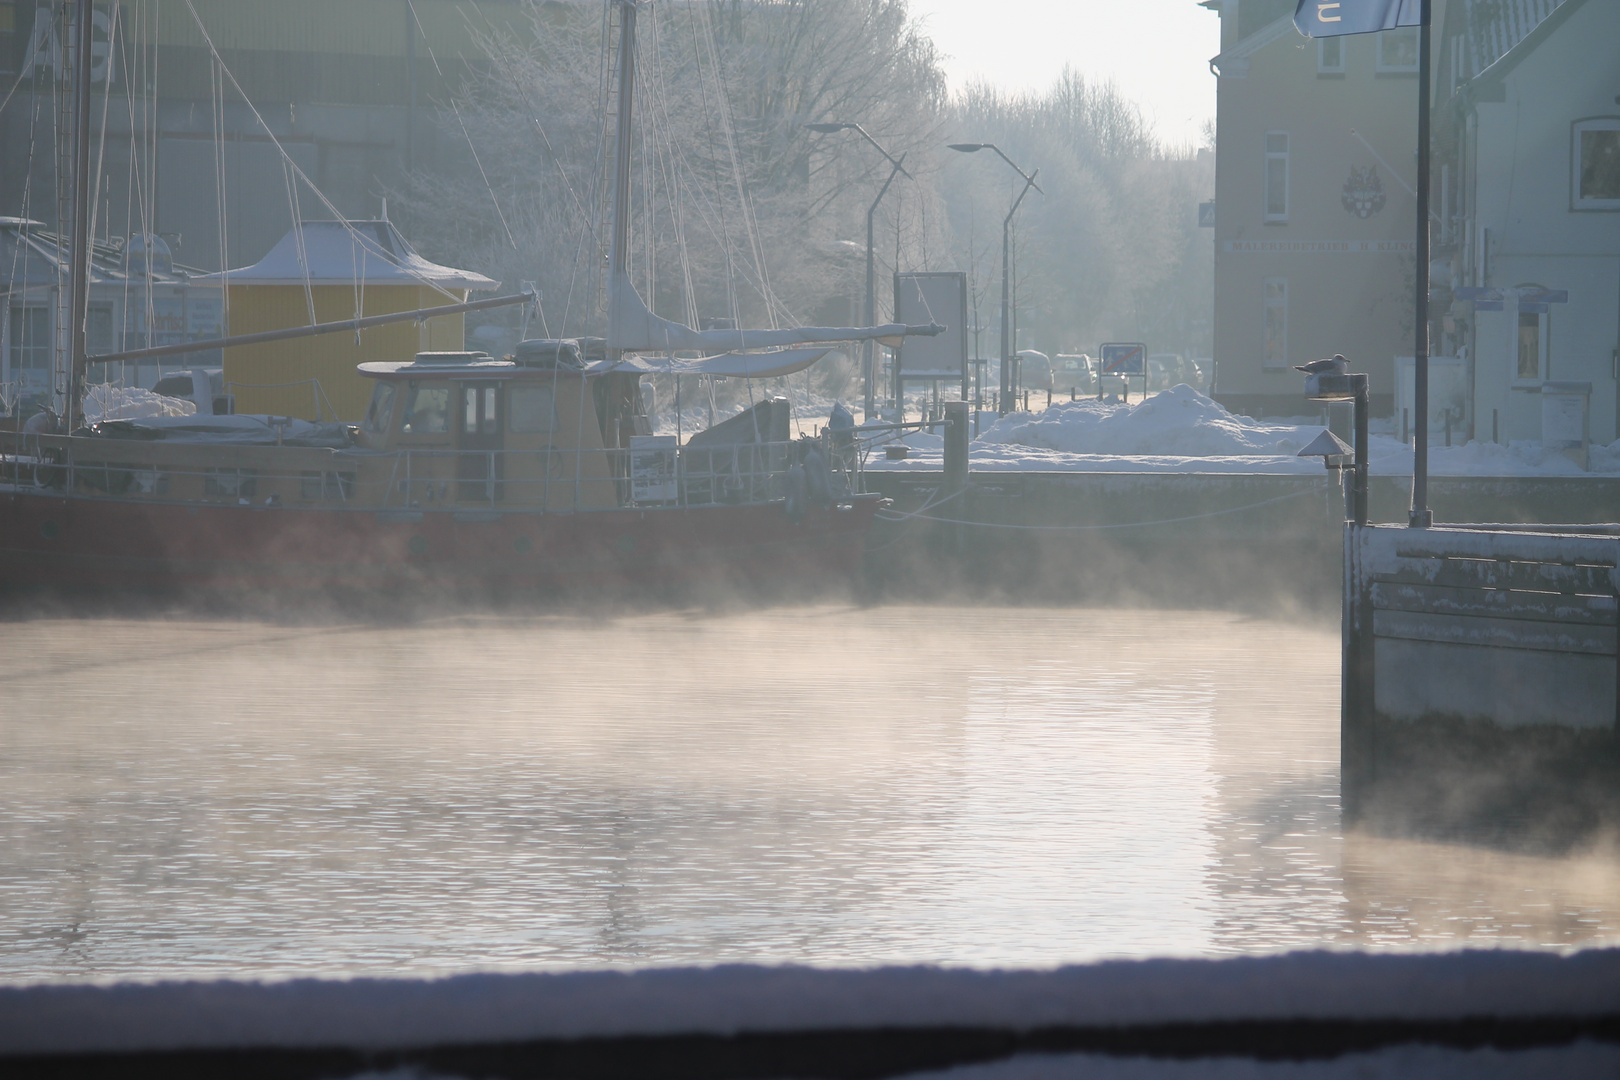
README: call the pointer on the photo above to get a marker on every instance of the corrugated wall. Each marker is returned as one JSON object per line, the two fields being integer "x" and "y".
{"x": 279, "y": 377}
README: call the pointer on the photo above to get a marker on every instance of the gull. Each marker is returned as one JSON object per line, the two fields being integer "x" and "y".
{"x": 1335, "y": 366}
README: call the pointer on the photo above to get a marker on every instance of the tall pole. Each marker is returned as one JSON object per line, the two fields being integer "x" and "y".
{"x": 1421, "y": 516}
{"x": 79, "y": 242}
{"x": 869, "y": 361}
{"x": 1007, "y": 389}
{"x": 620, "y": 257}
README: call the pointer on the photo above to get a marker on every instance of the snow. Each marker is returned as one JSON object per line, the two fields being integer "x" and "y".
{"x": 489, "y": 1008}
{"x": 107, "y": 402}
{"x": 1182, "y": 430}
{"x": 1576, "y": 1061}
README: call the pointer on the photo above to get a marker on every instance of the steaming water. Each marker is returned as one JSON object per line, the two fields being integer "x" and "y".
{"x": 835, "y": 786}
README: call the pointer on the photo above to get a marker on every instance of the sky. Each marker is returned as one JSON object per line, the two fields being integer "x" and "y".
{"x": 1156, "y": 51}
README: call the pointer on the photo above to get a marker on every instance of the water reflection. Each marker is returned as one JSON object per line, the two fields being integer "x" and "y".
{"x": 832, "y": 785}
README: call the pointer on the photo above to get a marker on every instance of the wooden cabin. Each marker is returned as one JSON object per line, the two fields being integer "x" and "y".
{"x": 328, "y": 271}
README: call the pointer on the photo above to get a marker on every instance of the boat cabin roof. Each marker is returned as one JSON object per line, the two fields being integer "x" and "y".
{"x": 476, "y": 365}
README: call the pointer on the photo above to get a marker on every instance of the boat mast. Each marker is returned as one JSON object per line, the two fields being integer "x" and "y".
{"x": 79, "y": 226}
{"x": 621, "y": 155}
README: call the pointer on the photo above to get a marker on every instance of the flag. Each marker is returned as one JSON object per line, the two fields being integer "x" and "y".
{"x": 1334, "y": 18}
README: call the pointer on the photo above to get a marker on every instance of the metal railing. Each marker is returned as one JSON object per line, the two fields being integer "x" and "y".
{"x": 545, "y": 479}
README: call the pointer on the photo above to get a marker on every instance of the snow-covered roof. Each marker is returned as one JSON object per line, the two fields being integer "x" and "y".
{"x": 339, "y": 252}
{"x": 31, "y": 255}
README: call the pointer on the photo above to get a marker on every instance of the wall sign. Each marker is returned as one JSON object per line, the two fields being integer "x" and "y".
{"x": 1363, "y": 192}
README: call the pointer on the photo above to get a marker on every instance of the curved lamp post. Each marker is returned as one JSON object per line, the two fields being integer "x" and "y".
{"x": 1006, "y": 232}
{"x": 869, "y": 354}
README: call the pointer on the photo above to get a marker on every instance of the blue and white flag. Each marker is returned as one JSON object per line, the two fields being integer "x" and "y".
{"x": 1334, "y": 18}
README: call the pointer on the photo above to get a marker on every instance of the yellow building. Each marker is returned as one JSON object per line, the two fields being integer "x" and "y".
{"x": 329, "y": 271}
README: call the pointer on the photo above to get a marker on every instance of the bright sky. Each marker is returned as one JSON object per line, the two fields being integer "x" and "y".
{"x": 1156, "y": 51}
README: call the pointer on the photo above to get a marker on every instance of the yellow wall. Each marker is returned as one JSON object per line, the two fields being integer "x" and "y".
{"x": 274, "y": 377}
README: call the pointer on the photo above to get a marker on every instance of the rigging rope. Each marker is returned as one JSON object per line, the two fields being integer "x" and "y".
{"x": 293, "y": 165}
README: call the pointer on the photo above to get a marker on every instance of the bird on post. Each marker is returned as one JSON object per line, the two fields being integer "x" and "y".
{"x": 1336, "y": 366}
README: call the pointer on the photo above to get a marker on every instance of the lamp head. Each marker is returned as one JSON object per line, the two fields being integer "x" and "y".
{"x": 828, "y": 129}
{"x": 968, "y": 147}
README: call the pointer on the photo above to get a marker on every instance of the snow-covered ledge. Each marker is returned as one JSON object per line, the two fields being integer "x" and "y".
{"x": 371, "y": 1015}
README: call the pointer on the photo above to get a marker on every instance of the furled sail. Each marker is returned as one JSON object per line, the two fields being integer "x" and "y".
{"x": 772, "y": 364}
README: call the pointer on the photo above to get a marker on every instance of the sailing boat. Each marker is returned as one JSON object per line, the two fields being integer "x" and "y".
{"x": 536, "y": 471}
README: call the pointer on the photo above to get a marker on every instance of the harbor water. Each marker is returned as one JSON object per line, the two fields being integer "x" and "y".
{"x": 194, "y": 797}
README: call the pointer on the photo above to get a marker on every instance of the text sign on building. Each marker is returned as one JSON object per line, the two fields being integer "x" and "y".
{"x": 1123, "y": 358}
{"x": 922, "y": 298}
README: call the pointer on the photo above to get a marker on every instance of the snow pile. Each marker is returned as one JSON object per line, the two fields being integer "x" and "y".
{"x": 1179, "y": 422}
{"x": 108, "y": 402}
{"x": 1389, "y": 456}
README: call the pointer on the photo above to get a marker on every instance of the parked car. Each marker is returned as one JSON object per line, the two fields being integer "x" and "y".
{"x": 204, "y": 387}
{"x": 1172, "y": 369}
{"x": 1034, "y": 370}
{"x": 1074, "y": 371}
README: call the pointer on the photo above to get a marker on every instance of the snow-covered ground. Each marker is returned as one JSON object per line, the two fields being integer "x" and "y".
{"x": 1182, "y": 430}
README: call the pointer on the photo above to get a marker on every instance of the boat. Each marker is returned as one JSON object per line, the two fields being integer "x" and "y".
{"x": 534, "y": 471}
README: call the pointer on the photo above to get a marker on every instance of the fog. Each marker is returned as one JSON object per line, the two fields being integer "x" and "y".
{"x": 195, "y": 796}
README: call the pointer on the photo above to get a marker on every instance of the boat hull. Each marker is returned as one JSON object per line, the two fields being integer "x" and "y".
{"x": 49, "y": 541}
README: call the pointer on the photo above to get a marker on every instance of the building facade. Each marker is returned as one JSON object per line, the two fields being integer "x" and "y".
{"x": 1314, "y": 205}
{"x": 1528, "y": 141}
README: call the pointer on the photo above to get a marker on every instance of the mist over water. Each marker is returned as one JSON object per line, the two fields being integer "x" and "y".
{"x": 821, "y": 785}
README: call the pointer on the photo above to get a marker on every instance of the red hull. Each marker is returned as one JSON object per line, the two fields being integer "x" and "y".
{"x": 86, "y": 543}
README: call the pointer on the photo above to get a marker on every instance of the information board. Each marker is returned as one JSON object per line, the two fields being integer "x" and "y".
{"x": 940, "y": 297}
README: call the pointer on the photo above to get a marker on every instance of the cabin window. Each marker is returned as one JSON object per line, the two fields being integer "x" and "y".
{"x": 381, "y": 409}
{"x": 1595, "y": 168}
{"x": 478, "y": 404}
{"x": 532, "y": 409}
{"x": 428, "y": 412}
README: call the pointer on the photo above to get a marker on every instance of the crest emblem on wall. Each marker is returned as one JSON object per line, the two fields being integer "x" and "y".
{"x": 1363, "y": 192}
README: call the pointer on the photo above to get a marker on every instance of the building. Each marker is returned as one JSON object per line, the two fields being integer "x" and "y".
{"x": 1314, "y": 204}
{"x": 138, "y": 298}
{"x": 328, "y": 271}
{"x": 1528, "y": 146}
{"x": 349, "y": 92}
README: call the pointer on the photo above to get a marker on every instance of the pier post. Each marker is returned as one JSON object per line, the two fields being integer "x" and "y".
{"x": 957, "y": 438}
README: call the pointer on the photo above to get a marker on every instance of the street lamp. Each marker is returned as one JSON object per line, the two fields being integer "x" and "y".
{"x": 1006, "y": 232}
{"x": 869, "y": 355}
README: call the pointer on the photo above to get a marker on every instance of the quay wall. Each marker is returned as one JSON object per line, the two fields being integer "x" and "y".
{"x": 1251, "y": 540}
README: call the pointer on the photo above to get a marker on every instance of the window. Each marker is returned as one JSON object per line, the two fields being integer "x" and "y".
{"x": 1276, "y": 176}
{"x": 98, "y": 327}
{"x": 478, "y": 410}
{"x": 31, "y": 339}
{"x": 1275, "y": 353}
{"x": 1595, "y": 164}
{"x": 1532, "y": 364}
{"x": 1330, "y": 56}
{"x": 532, "y": 409}
{"x": 428, "y": 412}
{"x": 381, "y": 409}
{"x": 230, "y": 483}
{"x": 1398, "y": 50}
